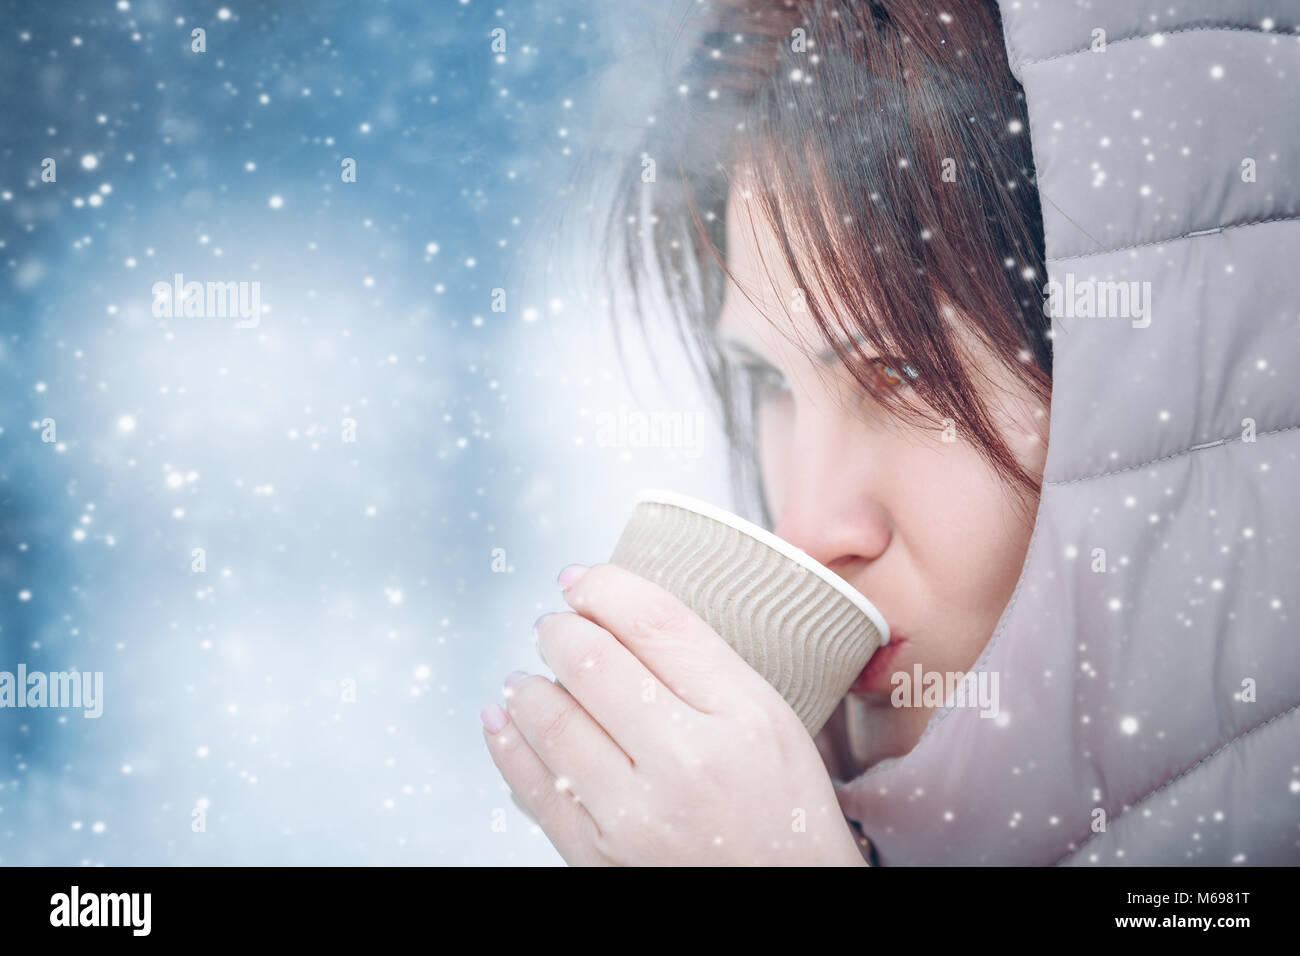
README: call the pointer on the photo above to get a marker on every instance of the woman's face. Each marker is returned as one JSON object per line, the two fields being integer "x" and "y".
{"x": 923, "y": 527}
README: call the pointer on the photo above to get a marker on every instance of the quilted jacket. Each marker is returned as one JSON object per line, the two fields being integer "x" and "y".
{"x": 1149, "y": 660}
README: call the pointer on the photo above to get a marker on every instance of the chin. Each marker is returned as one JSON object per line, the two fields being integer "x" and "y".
{"x": 874, "y": 730}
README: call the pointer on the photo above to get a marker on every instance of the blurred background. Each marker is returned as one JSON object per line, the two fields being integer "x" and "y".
{"x": 304, "y": 549}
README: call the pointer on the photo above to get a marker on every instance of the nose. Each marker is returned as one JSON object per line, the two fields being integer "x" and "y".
{"x": 831, "y": 505}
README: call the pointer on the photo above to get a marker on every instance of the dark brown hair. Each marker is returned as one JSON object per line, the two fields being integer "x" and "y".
{"x": 856, "y": 109}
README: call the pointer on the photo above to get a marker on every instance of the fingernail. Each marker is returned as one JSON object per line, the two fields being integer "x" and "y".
{"x": 513, "y": 678}
{"x": 494, "y": 718}
{"x": 569, "y": 576}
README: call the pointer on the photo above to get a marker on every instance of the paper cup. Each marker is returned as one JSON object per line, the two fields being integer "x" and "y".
{"x": 795, "y": 621}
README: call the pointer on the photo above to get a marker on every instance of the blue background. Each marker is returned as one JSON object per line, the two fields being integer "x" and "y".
{"x": 326, "y": 561}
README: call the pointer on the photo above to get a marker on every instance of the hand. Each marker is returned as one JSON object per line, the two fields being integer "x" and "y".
{"x": 659, "y": 745}
{"x": 833, "y": 744}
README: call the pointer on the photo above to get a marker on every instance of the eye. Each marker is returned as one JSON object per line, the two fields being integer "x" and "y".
{"x": 895, "y": 372}
{"x": 766, "y": 382}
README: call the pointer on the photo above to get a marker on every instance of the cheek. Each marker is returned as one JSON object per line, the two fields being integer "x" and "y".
{"x": 961, "y": 550}
{"x": 963, "y": 531}
{"x": 774, "y": 430}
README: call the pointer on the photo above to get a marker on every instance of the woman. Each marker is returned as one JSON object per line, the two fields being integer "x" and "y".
{"x": 880, "y": 333}
{"x": 843, "y": 210}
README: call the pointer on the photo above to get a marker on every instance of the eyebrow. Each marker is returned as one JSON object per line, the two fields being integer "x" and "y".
{"x": 740, "y": 348}
{"x": 826, "y": 357}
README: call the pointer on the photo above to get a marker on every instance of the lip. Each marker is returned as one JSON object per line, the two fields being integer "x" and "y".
{"x": 875, "y": 676}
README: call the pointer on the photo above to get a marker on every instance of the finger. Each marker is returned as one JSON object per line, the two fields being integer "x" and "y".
{"x": 563, "y": 819}
{"x": 577, "y": 751}
{"x": 673, "y": 642}
{"x": 523, "y": 807}
{"x": 619, "y": 692}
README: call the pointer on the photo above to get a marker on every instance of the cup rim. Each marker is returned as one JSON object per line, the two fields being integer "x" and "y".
{"x": 793, "y": 552}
